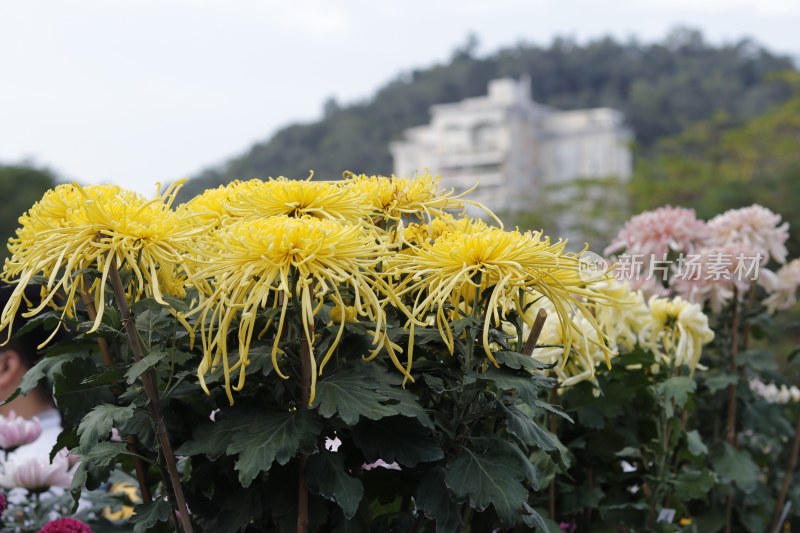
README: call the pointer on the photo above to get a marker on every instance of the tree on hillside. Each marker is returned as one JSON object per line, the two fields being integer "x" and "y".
{"x": 724, "y": 163}
{"x": 20, "y": 187}
{"x": 661, "y": 87}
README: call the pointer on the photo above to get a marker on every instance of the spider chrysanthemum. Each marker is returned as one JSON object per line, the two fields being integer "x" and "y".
{"x": 442, "y": 278}
{"x": 282, "y": 196}
{"x": 259, "y": 263}
{"x": 75, "y": 229}
{"x": 421, "y": 196}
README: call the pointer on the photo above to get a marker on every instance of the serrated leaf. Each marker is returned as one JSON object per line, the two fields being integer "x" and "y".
{"x": 351, "y": 394}
{"x": 406, "y": 404}
{"x": 273, "y": 437}
{"x": 47, "y": 367}
{"x": 140, "y": 367}
{"x": 148, "y": 514}
{"x": 518, "y": 361}
{"x": 488, "y": 480}
{"x": 695, "y": 443}
{"x": 213, "y": 438}
{"x": 736, "y": 466}
{"x": 326, "y": 473}
{"x": 434, "y": 499}
{"x": 97, "y": 424}
{"x": 396, "y": 439}
{"x": 675, "y": 389}
{"x": 528, "y": 431}
{"x": 527, "y": 386}
{"x": 103, "y": 453}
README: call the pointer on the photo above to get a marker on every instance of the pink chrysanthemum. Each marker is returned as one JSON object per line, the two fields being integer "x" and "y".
{"x": 657, "y": 232}
{"x": 714, "y": 275}
{"x": 781, "y": 286}
{"x": 66, "y": 525}
{"x": 754, "y": 228}
{"x": 3, "y": 504}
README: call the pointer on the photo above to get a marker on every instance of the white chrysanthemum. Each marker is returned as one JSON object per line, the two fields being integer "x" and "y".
{"x": 622, "y": 320}
{"x": 774, "y": 394}
{"x": 587, "y": 349}
{"x": 677, "y": 333}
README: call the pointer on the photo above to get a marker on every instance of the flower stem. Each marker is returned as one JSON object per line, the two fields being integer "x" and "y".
{"x": 787, "y": 477}
{"x": 302, "y": 489}
{"x": 133, "y": 442}
{"x": 730, "y": 425}
{"x": 150, "y": 390}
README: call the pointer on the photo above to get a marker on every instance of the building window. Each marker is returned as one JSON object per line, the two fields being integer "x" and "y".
{"x": 485, "y": 137}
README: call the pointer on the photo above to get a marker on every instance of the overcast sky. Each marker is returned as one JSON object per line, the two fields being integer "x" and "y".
{"x": 140, "y": 91}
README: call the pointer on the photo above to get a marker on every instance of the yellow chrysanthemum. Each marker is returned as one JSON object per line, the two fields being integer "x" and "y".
{"x": 449, "y": 270}
{"x": 282, "y": 196}
{"x": 416, "y": 234}
{"x": 73, "y": 228}
{"x": 255, "y": 263}
{"x": 677, "y": 332}
{"x": 209, "y": 208}
{"x": 393, "y": 197}
{"x": 124, "y": 512}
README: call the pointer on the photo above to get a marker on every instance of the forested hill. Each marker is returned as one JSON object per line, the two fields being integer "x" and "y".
{"x": 661, "y": 87}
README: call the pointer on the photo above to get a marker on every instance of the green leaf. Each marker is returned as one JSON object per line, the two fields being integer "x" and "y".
{"x": 97, "y": 424}
{"x": 675, "y": 389}
{"x": 396, "y": 439}
{"x": 488, "y": 479}
{"x": 140, "y": 367}
{"x": 405, "y": 403}
{"x": 434, "y": 499}
{"x": 518, "y": 361}
{"x": 694, "y": 484}
{"x": 629, "y": 451}
{"x": 326, "y": 473}
{"x": 527, "y": 386}
{"x": 47, "y": 367}
{"x": 76, "y": 399}
{"x": 534, "y": 520}
{"x": 736, "y": 466}
{"x": 213, "y": 438}
{"x": 149, "y": 514}
{"x": 695, "y": 443}
{"x": 352, "y": 393}
{"x": 528, "y": 431}
{"x": 103, "y": 453}
{"x": 273, "y": 437}
{"x": 721, "y": 381}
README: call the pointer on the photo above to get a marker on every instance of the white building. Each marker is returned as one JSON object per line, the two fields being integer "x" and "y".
{"x": 515, "y": 148}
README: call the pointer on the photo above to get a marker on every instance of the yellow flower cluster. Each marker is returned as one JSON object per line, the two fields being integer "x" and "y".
{"x": 73, "y": 229}
{"x": 254, "y": 250}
